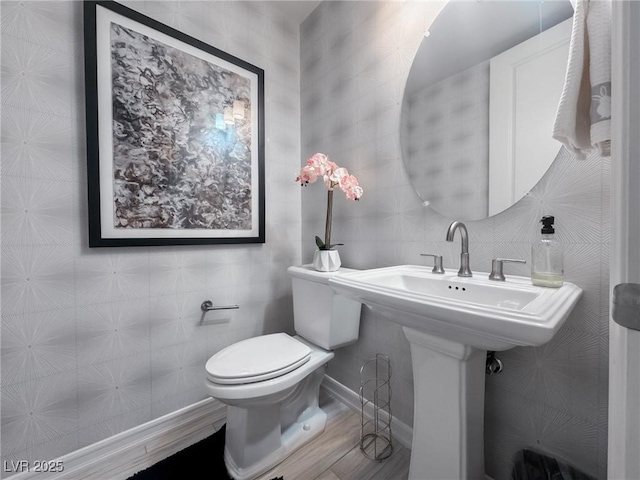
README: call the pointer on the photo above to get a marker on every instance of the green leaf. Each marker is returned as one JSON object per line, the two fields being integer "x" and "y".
{"x": 323, "y": 246}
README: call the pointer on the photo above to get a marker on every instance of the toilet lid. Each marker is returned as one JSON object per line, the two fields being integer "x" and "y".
{"x": 257, "y": 359}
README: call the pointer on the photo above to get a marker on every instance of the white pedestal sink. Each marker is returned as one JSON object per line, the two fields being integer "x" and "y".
{"x": 450, "y": 323}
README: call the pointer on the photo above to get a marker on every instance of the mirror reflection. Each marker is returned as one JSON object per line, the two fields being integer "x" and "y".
{"x": 480, "y": 101}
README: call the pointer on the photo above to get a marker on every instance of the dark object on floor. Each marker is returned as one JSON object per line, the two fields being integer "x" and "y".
{"x": 530, "y": 465}
{"x": 203, "y": 457}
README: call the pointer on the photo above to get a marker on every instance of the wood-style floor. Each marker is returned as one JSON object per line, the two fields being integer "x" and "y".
{"x": 336, "y": 455}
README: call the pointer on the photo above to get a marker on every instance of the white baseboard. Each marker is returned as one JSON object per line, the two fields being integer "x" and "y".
{"x": 122, "y": 455}
{"x": 400, "y": 431}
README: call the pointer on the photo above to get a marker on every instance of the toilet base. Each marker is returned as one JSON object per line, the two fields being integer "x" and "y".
{"x": 297, "y": 435}
{"x": 262, "y": 432}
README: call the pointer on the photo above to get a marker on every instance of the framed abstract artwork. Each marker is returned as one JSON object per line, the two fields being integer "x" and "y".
{"x": 175, "y": 135}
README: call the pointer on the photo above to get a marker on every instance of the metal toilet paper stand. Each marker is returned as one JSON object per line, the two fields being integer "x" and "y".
{"x": 375, "y": 413}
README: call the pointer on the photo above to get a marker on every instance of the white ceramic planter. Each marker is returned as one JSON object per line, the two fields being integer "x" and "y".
{"x": 326, "y": 260}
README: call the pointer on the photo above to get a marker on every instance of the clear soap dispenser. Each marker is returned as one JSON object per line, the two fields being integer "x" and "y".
{"x": 547, "y": 269}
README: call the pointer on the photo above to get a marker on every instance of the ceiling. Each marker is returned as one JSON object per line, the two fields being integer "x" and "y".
{"x": 297, "y": 10}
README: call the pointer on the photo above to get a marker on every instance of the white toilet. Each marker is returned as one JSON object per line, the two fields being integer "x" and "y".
{"x": 271, "y": 383}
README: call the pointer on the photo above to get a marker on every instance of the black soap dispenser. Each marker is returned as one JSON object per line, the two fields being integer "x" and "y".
{"x": 547, "y": 257}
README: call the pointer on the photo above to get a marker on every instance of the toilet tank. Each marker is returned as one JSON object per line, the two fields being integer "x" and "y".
{"x": 320, "y": 315}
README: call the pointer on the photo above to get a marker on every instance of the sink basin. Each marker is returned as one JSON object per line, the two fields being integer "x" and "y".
{"x": 475, "y": 311}
{"x": 450, "y": 323}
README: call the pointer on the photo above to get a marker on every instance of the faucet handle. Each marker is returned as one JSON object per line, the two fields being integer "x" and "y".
{"x": 496, "y": 267}
{"x": 437, "y": 262}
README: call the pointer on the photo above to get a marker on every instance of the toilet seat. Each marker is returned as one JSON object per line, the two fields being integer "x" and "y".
{"x": 257, "y": 359}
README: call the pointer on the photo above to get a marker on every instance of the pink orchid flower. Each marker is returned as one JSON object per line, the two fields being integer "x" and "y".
{"x": 319, "y": 165}
{"x": 349, "y": 185}
{"x": 308, "y": 174}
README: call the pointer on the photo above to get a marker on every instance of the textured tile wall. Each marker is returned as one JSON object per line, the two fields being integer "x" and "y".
{"x": 355, "y": 59}
{"x": 96, "y": 341}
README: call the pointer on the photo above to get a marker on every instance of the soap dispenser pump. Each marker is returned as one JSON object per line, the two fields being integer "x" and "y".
{"x": 547, "y": 268}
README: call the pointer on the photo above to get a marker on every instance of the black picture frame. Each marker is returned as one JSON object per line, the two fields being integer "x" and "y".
{"x": 175, "y": 135}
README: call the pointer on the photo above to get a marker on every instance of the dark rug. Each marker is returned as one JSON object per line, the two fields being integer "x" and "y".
{"x": 204, "y": 459}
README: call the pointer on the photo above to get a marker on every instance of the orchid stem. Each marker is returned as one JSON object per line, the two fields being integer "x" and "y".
{"x": 327, "y": 228}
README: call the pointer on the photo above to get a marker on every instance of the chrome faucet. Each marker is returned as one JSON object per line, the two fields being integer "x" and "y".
{"x": 464, "y": 271}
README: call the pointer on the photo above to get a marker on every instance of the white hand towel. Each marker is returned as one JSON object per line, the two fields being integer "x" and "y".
{"x": 583, "y": 120}
{"x": 599, "y": 30}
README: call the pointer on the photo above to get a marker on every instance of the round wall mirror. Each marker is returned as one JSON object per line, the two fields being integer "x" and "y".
{"x": 480, "y": 102}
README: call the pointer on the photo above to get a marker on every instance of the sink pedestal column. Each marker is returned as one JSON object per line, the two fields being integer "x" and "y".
{"x": 448, "y": 417}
